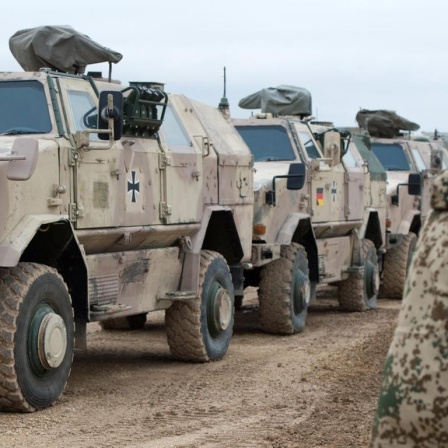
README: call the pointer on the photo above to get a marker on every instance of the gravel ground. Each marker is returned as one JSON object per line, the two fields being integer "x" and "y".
{"x": 314, "y": 389}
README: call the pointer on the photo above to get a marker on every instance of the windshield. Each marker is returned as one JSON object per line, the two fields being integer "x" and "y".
{"x": 267, "y": 143}
{"x": 391, "y": 156}
{"x": 23, "y": 108}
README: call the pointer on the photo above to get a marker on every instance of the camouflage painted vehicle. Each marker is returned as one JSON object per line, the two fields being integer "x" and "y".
{"x": 411, "y": 165}
{"x": 412, "y": 408}
{"x": 326, "y": 228}
{"x": 116, "y": 201}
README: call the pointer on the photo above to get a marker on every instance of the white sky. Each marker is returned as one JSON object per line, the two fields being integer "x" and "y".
{"x": 350, "y": 54}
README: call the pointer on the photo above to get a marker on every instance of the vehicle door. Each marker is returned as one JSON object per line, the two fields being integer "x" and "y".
{"x": 98, "y": 193}
{"x": 182, "y": 138}
{"x": 328, "y": 195}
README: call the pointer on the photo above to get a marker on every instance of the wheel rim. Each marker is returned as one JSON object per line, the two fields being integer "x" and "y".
{"x": 301, "y": 292}
{"x": 372, "y": 279}
{"x": 47, "y": 340}
{"x": 219, "y": 307}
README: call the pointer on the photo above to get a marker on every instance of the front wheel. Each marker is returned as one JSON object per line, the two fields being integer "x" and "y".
{"x": 284, "y": 292}
{"x": 396, "y": 266}
{"x": 360, "y": 290}
{"x": 200, "y": 330}
{"x": 36, "y": 337}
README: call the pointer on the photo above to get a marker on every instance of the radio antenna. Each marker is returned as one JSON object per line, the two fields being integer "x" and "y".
{"x": 224, "y": 103}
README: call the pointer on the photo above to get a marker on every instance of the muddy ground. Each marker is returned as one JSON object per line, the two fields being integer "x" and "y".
{"x": 314, "y": 389}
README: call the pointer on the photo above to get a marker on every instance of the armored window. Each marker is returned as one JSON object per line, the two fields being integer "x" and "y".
{"x": 310, "y": 147}
{"x": 418, "y": 159}
{"x": 83, "y": 109}
{"x": 23, "y": 108}
{"x": 391, "y": 156}
{"x": 267, "y": 143}
{"x": 349, "y": 159}
{"x": 173, "y": 131}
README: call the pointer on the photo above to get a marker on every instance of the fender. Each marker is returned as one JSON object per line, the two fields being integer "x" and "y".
{"x": 229, "y": 247}
{"x": 17, "y": 241}
{"x": 287, "y": 230}
{"x": 405, "y": 224}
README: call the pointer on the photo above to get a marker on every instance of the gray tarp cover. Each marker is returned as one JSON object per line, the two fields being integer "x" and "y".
{"x": 58, "y": 47}
{"x": 384, "y": 123}
{"x": 280, "y": 100}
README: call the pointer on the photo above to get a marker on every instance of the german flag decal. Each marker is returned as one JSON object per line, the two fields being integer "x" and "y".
{"x": 320, "y": 196}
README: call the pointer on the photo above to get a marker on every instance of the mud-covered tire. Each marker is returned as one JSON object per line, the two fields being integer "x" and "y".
{"x": 396, "y": 266}
{"x": 36, "y": 337}
{"x": 359, "y": 291}
{"x": 200, "y": 330}
{"x": 135, "y": 322}
{"x": 284, "y": 292}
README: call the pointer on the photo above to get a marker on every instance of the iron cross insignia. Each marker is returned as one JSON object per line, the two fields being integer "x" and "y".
{"x": 134, "y": 186}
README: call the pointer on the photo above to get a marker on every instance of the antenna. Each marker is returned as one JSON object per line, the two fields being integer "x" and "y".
{"x": 224, "y": 103}
{"x": 225, "y": 83}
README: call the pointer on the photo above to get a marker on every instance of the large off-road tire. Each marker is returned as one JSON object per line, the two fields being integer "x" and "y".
{"x": 200, "y": 330}
{"x": 135, "y": 322}
{"x": 284, "y": 292}
{"x": 359, "y": 291}
{"x": 36, "y": 337}
{"x": 396, "y": 266}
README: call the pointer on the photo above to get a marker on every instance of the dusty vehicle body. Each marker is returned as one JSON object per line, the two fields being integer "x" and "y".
{"x": 411, "y": 162}
{"x": 411, "y": 167}
{"x": 95, "y": 227}
{"x": 336, "y": 217}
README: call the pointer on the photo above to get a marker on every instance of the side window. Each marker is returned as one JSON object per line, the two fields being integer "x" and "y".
{"x": 311, "y": 149}
{"x": 349, "y": 159}
{"x": 83, "y": 109}
{"x": 173, "y": 131}
{"x": 418, "y": 159}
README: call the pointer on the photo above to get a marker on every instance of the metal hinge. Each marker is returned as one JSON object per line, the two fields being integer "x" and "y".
{"x": 74, "y": 212}
{"x": 346, "y": 178}
{"x": 164, "y": 161}
{"x": 165, "y": 210}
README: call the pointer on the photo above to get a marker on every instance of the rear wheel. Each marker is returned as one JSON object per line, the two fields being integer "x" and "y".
{"x": 36, "y": 337}
{"x": 396, "y": 266}
{"x": 360, "y": 290}
{"x": 200, "y": 330}
{"x": 284, "y": 292}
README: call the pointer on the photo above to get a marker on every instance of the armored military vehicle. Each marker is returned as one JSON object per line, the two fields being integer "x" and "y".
{"x": 411, "y": 163}
{"x": 325, "y": 229}
{"x": 116, "y": 201}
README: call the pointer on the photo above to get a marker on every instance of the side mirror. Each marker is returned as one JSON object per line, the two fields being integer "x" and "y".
{"x": 110, "y": 114}
{"x": 296, "y": 176}
{"x": 414, "y": 184}
{"x": 294, "y": 181}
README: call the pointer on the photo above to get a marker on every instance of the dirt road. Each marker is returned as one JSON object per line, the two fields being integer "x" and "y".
{"x": 315, "y": 389}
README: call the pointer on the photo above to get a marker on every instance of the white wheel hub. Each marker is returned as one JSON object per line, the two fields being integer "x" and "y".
{"x": 224, "y": 305}
{"x": 52, "y": 341}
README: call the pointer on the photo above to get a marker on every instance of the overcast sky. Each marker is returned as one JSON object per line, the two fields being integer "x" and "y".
{"x": 350, "y": 54}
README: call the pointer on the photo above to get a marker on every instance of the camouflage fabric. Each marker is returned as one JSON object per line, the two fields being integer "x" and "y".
{"x": 413, "y": 403}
